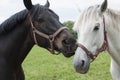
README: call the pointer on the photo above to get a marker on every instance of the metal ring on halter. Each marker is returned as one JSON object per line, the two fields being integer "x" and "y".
{"x": 51, "y": 38}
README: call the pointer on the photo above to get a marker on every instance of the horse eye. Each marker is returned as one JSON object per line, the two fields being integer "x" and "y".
{"x": 41, "y": 20}
{"x": 97, "y": 27}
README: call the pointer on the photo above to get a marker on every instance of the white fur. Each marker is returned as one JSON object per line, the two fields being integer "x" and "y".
{"x": 93, "y": 40}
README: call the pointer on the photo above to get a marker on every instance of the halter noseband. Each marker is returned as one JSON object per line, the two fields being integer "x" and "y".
{"x": 102, "y": 48}
{"x": 51, "y": 38}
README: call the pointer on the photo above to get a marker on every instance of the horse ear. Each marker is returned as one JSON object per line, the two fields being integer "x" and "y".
{"x": 28, "y": 4}
{"x": 47, "y": 4}
{"x": 103, "y": 6}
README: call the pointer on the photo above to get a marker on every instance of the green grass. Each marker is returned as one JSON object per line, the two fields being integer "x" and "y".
{"x": 41, "y": 65}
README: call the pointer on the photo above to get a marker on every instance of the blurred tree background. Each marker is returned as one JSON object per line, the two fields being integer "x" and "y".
{"x": 70, "y": 25}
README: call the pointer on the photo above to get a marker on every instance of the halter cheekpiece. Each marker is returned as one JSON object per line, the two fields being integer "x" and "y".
{"x": 50, "y": 38}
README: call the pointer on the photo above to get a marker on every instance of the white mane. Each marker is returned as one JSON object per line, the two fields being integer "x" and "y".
{"x": 114, "y": 17}
{"x": 87, "y": 13}
{"x": 92, "y": 11}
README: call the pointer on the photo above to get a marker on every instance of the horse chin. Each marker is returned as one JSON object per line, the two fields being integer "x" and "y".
{"x": 67, "y": 53}
{"x": 82, "y": 70}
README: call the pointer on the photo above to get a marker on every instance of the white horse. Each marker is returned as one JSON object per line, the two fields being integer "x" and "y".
{"x": 98, "y": 28}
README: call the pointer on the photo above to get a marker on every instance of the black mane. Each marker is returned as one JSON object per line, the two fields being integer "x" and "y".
{"x": 10, "y": 23}
{"x": 19, "y": 17}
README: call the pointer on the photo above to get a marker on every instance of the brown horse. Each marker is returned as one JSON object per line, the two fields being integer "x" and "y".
{"x": 35, "y": 25}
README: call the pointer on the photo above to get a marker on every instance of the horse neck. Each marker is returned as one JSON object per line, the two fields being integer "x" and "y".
{"x": 28, "y": 43}
{"x": 113, "y": 31}
{"x": 22, "y": 45}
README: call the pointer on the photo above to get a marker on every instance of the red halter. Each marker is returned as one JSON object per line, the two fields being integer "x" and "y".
{"x": 102, "y": 48}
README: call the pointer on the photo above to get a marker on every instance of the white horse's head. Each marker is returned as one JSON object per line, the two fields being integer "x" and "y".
{"x": 90, "y": 30}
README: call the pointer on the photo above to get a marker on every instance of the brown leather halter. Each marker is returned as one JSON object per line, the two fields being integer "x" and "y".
{"x": 104, "y": 46}
{"x": 50, "y": 38}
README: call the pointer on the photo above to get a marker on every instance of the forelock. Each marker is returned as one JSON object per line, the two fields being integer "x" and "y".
{"x": 86, "y": 15}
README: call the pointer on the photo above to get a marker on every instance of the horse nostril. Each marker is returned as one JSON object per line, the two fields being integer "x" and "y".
{"x": 83, "y": 62}
{"x": 66, "y": 42}
{"x": 69, "y": 41}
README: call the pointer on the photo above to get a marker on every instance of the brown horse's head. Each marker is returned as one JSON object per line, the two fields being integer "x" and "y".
{"x": 48, "y": 31}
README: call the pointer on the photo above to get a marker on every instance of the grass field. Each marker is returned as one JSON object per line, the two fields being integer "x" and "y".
{"x": 41, "y": 65}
